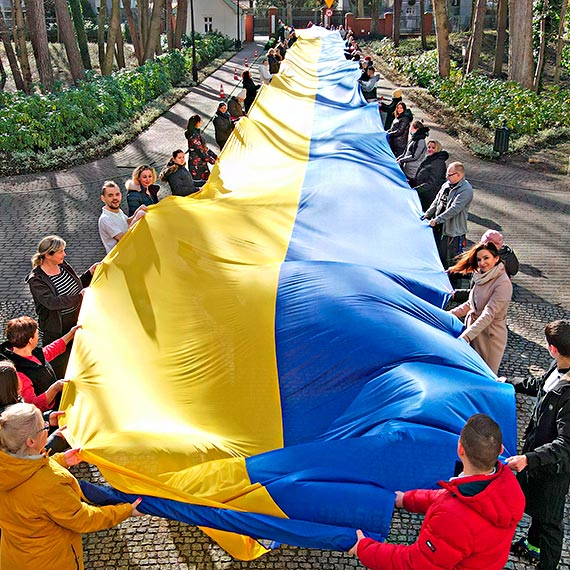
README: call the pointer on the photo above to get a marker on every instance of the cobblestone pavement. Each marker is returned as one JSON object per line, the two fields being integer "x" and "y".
{"x": 530, "y": 209}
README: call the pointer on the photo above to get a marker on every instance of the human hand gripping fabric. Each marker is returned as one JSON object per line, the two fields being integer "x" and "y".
{"x": 517, "y": 462}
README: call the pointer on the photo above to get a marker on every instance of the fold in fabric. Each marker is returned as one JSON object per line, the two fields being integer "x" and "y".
{"x": 269, "y": 358}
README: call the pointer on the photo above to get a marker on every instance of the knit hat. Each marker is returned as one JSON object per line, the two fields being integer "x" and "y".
{"x": 397, "y": 93}
{"x": 494, "y": 237}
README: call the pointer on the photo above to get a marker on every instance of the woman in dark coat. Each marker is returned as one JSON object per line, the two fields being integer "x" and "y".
{"x": 223, "y": 125}
{"x": 250, "y": 89}
{"x": 57, "y": 291}
{"x": 199, "y": 156}
{"x": 398, "y": 133}
{"x": 387, "y": 109}
{"x": 178, "y": 176}
{"x": 141, "y": 188}
{"x": 430, "y": 176}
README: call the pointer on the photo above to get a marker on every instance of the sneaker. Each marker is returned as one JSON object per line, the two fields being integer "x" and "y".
{"x": 523, "y": 549}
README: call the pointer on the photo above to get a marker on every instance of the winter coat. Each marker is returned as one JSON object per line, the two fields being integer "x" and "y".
{"x": 451, "y": 207}
{"x": 250, "y": 92}
{"x": 398, "y": 133}
{"x": 430, "y": 177}
{"x": 179, "y": 179}
{"x": 48, "y": 304}
{"x": 43, "y": 516}
{"x": 389, "y": 109}
{"x": 136, "y": 196}
{"x": 223, "y": 127}
{"x": 468, "y": 525}
{"x": 235, "y": 108}
{"x": 415, "y": 152}
{"x": 199, "y": 155}
{"x": 274, "y": 63}
{"x": 486, "y": 310}
{"x": 368, "y": 86}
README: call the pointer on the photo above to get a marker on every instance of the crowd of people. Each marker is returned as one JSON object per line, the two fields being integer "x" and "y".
{"x": 470, "y": 523}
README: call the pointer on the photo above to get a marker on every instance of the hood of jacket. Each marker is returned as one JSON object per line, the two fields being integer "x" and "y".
{"x": 14, "y": 471}
{"x": 169, "y": 169}
{"x": 497, "y": 498}
{"x": 421, "y": 133}
{"x": 440, "y": 155}
{"x": 130, "y": 185}
{"x": 408, "y": 114}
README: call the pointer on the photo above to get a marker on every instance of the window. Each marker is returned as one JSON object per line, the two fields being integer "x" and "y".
{"x": 207, "y": 24}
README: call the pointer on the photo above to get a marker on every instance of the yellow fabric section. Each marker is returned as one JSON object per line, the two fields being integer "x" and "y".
{"x": 174, "y": 377}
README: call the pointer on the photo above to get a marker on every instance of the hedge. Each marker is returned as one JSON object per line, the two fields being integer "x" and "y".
{"x": 69, "y": 116}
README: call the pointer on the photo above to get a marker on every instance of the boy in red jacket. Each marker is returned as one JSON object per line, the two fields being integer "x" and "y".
{"x": 469, "y": 523}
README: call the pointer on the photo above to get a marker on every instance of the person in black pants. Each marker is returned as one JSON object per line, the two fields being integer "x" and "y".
{"x": 544, "y": 465}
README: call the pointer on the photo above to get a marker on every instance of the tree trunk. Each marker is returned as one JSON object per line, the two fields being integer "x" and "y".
{"x": 101, "y": 21}
{"x": 360, "y": 9}
{"x": 169, "y": 30}
{"x": 11, "y": 55}
{"x": 442, "y": 37}
{"x": 67, "y": 36}
{"x": 120, "y": 51}
{"x": 3, "y": 75}
{"x": 396, "y": 22}
{"x": 79, "y": 25}
{"x": 114, "y": 31}
{"x": 135, "y": 36}
{"x": 560, "y": 44}
{"x": 541, "y": 49}
{"x": 154, "y": 30}
{"x": 142, "y": 7}
{"x": 501, "y": 37}
{"x": 181, "y": 22}
{"x": 423, "y": 31}
{"x": 520, "y": 42}
{"x": 374, "y": 18}
{"x": 476, "y": 36}
{"x": 20, "y": 41}
{"x": 36, "y": 18}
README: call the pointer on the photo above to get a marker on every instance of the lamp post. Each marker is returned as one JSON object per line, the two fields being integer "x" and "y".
{"x": 238, "y": 39}
{"x": 194, "y": 66}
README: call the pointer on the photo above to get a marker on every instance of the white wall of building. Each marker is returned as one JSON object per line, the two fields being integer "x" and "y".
{"x": 216, "y": 15}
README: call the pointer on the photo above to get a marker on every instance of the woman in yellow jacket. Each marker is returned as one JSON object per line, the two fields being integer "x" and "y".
{"x": 41, "y": 512}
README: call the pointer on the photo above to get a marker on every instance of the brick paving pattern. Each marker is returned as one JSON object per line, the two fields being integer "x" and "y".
{"x": 530, "y": 209}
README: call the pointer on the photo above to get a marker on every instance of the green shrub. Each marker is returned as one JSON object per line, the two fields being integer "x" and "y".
{"x": 67, "y": 117}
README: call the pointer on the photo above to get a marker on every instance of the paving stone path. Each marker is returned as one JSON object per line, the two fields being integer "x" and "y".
{"x": 531, "y": 210}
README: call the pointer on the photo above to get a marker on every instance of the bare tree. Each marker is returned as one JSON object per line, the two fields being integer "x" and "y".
{"x": 134, "y": 30}
{"x": 442, "y": 37}
{"x": 153, "y": 36}
{"x": 181, "y": 19}
{"x": 520, "y": 42}
{"x": 542, "y": 47}
{"x": 114, "y": 32}
{"x": 36, "y": 19}
{"x": 169, "y": 29}
{"x": 474, "y": 47}
{"x": 65, "y": 27}
{"x": 423, "y": 32}
{"x": 3, "y": 75}
{"x": 20, "y": 41}
{"x": 501, "y": 37}
{"x": 563, "y": 10}
{"x": 360, "y": 8}
{"x": 79, "y": 25}
{"x": 142, "y": 8}
{"x": 374, "y": 14}
{"x": 120, "y": 50}
{"x": 11, "y": 55}
{"x": 396, "y": 22}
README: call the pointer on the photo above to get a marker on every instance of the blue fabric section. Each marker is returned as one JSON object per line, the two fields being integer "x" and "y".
{"x": 260, "y": 527}
{"x": 375, "y": 385}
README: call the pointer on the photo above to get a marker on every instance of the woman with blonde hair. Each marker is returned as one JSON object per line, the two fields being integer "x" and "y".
{"x": 430, "y": 176}
{"x": 57, "y": 291}
{"x": 40, "y": 501}
{"x": 141, "y": 188}
{"x": 485, "y": 311}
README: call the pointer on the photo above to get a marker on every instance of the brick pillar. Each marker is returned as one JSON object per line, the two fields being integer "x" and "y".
{"x": 349, "y": 21}
{"x": 389, "y": 24}
{"x": 428, "y": 22}
{"x": 249, "y": 27}
{"x": 272, "y": 15}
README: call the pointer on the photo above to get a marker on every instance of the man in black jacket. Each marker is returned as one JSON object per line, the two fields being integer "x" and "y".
{"x": 544, "y": 466}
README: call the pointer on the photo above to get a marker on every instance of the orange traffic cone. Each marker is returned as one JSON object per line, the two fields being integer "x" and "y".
{"x": 222, "y": 94}
{"x": 245, "y": 62}
{"x": 236, "y": 78}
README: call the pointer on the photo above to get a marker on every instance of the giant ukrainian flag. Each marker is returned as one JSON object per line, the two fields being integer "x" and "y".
{"x": 269, "y": 359}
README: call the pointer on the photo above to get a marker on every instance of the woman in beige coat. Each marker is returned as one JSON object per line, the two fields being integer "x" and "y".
{"x": 486, "y": 310}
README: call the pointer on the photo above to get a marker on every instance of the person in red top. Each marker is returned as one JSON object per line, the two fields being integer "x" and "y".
{"x": 39, "y": 383}
{"x": 469, "y": 523}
